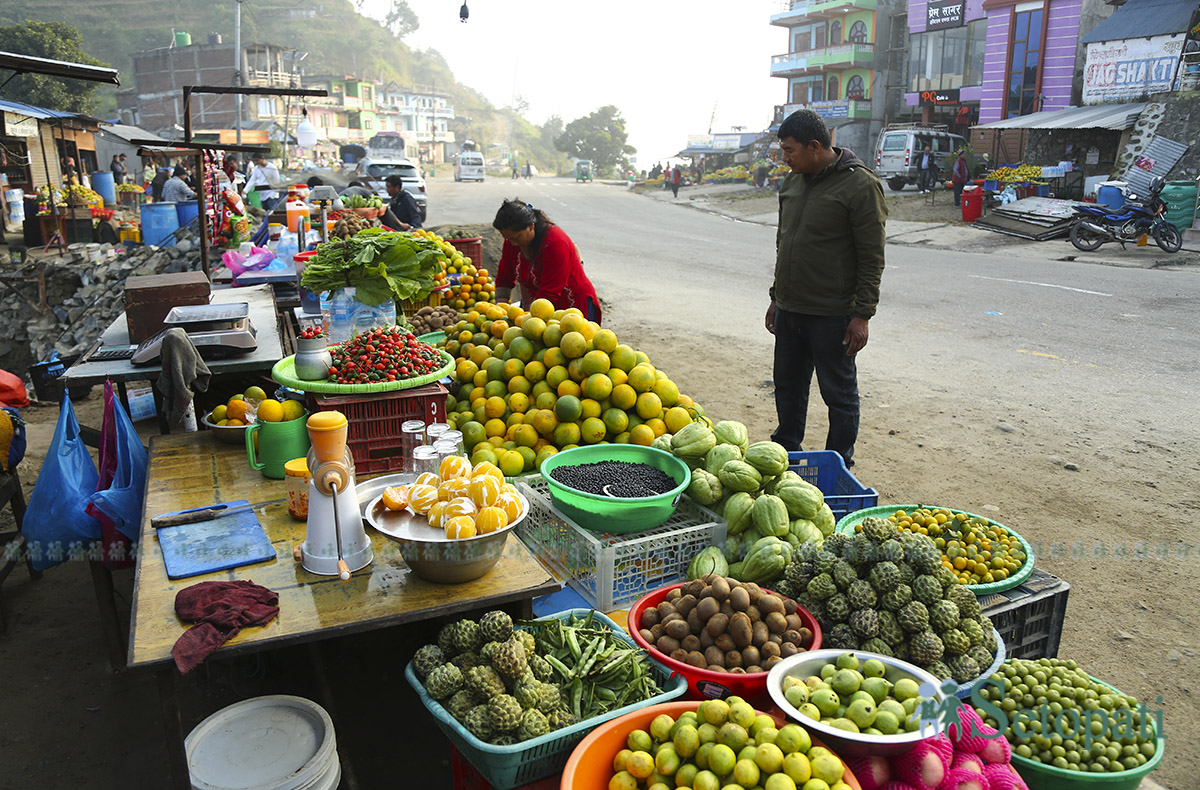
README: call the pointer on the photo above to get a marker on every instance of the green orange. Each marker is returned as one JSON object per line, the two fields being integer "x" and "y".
{"x": 623, "y": 357}
{"x": 598, "y": 386}
{"x": 566, "y": 433}
{"x": 568, "y": 408}
{"x": 595, "y": 362}
{"x": 641, "y": 434}
{"x": 623, "y": 397}
{"x": 615, "y": 419}
{"x": 573, "y": 344}
{"x": 593, "y": 430}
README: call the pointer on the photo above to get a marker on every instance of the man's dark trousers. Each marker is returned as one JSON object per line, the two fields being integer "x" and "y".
{"x": 804, "y": 343}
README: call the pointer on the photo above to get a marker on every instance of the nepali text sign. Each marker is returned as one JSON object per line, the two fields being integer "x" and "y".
{"x": 727, "y": 142}
{"x": 700, "y": 141}
{"x": 943, "y": 13}
{"x": 1130, "y": 69}
{"x": 831, "y": 109}
{"x": 16, "y": 125}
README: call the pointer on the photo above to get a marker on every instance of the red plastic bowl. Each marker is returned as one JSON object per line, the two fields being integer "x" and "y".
{"x": 704, "y": 683}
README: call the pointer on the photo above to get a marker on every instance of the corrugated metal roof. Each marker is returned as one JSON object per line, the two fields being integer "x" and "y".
{"x": 1144, "y": 18}
{"x": 1159, "y": 158}
{"x": 1099, "y": 116}
{"x": 131, "y": 133}
{"x": 40, "y": 113}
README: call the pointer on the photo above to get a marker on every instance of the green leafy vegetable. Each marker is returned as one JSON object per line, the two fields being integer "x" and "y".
{"x": 379, "y": 264}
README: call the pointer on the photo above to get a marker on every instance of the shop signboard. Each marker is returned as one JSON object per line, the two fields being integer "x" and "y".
{"x": 831, "y": 109}
{"x": 944, "y": 13}
{"x": 949, "y": 96}
{"x": 16, "y": 125}
{"x": 1130, "y": 69}
{"x": 700, "y": 141}
{"x": 727, "y": 142}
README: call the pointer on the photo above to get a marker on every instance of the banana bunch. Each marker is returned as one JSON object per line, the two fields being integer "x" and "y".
{"x": 358, "y": 201}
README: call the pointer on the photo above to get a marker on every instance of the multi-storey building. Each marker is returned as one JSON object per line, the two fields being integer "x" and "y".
{"x": 833, "y": 64}
{"x": 156, "y": 100}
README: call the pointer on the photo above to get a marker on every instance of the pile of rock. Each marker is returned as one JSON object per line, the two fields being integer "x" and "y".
{"x": 85, "y": 292}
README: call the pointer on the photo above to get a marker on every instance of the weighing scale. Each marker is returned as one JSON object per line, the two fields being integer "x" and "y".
{"x": 217, "y": 331}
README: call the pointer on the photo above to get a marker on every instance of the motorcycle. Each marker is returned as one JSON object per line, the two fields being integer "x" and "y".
{"x": 1094, "y": 225}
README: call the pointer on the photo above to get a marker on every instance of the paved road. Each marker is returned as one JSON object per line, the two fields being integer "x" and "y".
{"x": 1120, "y": 342}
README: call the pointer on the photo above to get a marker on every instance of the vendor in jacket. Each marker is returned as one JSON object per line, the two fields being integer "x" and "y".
{"x": 540, "y": 257}
{"x": 829, "y": 262}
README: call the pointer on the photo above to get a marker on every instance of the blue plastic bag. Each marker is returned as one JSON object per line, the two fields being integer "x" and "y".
{"x": 117, "y": 503}
{"x": 56, "y": 523}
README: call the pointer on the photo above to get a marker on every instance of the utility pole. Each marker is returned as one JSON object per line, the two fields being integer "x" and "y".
{"x": 237, "y": 65}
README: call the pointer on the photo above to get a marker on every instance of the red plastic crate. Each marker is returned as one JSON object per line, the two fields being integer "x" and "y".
{"x": 375, "y": 420}
{"x": 470, "y": 248}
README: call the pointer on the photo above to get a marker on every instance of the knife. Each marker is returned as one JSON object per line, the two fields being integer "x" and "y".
{"x": 206, "y": 514}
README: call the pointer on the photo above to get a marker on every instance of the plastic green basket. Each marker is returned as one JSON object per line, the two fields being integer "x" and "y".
{"x": 432, "y": 338}
{"x": 616, "y": 514}
{"x": 1040, "y": 776}
{"x": 284, "y": 372}
{"x": 848, "y": 523}
{"x": 506, "y": 767}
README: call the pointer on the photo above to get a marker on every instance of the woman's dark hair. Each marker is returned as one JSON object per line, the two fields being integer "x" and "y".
{"x": 516, "y": 214}
{"x": 314, "y": 181}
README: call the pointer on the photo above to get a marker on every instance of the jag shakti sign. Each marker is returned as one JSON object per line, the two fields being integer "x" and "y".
{"x": 1130, "y": 69}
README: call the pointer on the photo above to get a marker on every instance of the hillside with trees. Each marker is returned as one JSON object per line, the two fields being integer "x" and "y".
{"x": 111, "y": 31}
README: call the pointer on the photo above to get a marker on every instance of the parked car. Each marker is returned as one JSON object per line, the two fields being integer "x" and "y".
{"x": 375, "y": 171}
{"x": 469, "y": 167}
{"x": 898, "y": 152}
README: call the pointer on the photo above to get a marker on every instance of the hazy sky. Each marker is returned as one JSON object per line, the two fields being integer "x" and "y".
{"x": 663, "y": 63}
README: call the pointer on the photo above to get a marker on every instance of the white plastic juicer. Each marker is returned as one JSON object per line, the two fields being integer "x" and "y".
{"x": 336, "y": 543}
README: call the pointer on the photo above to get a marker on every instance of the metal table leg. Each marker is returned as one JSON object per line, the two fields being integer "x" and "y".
{"x": 168, "y": 699}
{"x": 349, "y": 779}
{"x": 110, "y": 625}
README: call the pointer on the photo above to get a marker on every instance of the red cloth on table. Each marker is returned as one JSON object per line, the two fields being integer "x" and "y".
{"x": 557, "y": 274}
{"x": 220, "y": 609}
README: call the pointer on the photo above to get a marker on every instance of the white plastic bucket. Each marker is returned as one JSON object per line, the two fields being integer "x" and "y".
{"x": 277, "y": 742}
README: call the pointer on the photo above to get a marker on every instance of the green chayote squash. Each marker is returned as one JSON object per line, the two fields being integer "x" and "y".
{"x": 769, "y": 458}
{"x": 770, "y": 515}
{"x": 711, "y": 560}
{"x": 693, "y": 441}
{"x": 806, "y": 532}
{"x": 766, "y": 561}
{"x": 705, "y": 488}
{"x": 662, "y": 443}
{"x": 733, "y": 548}
{"x": 740, "y": 476}
{"x": 825, "y": 520}
{"x": 719, "y": 456}
{"x": 738, "y": 513}
{"x": 731, "y": 432}
{"x": 803, "y": 499}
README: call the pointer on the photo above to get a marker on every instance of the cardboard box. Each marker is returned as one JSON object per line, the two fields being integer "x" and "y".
{"x": 149, "y": 298}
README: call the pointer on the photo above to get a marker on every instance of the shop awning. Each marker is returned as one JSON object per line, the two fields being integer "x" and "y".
{"x": 1100, "y": 116}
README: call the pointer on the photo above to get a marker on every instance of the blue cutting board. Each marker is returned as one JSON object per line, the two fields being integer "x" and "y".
{"x": 215, "y": 545}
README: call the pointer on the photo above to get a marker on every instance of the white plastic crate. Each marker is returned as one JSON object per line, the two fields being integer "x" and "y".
{"x": 613, "y": 570}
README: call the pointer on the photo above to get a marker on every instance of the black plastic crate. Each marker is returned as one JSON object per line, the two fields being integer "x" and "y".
{"x": 46, "y": 383}
{"x": 1030, "y": 616}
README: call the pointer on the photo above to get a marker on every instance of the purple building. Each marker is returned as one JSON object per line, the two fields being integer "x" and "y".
{"x": 1030, "y": 60}
{"x": 947, "y": 43}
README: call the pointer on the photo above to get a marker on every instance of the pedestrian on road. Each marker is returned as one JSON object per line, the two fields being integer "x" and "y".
{"x": 516, "y": 173}
{"x": 927, "y": 171}
{"x": 176, "y": 189}
{"x": 118, "y": 169}
{"x": 149, "y": 171}
{"x": 675, "y": 179}
{"x": 828, "y": 265}
{"x": 959, "y": 175}
{"x": 403, "y": 212}
{"x": 541, "y": 257}
{"x": 266, "y": 176}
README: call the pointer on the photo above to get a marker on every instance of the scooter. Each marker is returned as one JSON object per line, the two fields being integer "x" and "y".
{"x": 1095, "y": 225}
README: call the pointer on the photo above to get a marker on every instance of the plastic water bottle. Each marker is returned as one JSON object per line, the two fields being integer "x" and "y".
{"x": 286, "y": 248}
{"x": 341, "y": 315}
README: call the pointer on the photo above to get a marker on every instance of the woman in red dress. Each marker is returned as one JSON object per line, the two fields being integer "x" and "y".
{"x": 543, "y": 260}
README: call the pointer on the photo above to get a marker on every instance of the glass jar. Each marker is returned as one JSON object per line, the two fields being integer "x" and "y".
{"x": 457, "y": 438}
{"x": 296, "y": 472}
{"x": 434, "y": 431}
{"x": 445, "y": 449}
{"x": 425, "y": 459}
{"x": 412, "y": 436}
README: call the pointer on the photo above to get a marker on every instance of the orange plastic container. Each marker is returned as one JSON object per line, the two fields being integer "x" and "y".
{"x": 704, "y": 683}
{"x": 327, "y": 431}
{"x": 590, "y": 766}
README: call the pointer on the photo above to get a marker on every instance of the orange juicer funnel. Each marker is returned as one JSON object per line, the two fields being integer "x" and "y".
{"x": 327, "y": 431}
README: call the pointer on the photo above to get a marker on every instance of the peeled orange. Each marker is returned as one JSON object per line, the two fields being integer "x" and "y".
{"x": 395, "y": 497}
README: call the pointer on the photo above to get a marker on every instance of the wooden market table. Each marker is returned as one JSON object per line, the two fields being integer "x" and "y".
{"x": 192, "y": 470}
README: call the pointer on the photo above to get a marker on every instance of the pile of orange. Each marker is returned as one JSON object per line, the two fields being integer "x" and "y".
{"x": 533, "y": 383}
{"x": 462, "y": 500}
{"x": 253, "y": 405}
{"x": 468, "y": 283}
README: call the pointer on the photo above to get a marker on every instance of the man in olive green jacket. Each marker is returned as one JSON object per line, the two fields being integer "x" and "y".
{"x": 829, "y": 262}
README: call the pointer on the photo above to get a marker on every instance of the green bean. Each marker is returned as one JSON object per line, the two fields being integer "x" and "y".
{"x": 559, "y": 667}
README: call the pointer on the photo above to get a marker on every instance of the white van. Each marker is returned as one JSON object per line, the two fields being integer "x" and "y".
{"x": 470, "y": 166}
{"x": 897, "y": 152}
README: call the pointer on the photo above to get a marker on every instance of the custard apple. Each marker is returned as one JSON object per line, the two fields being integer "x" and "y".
{"x": 533, "y": 725}
{"x": 940, "y": 671}
{"x": 504, "y": 713}
{"x": 460, "y": 704}
{"x": 956, "y": 642}
{"x": 465, "y": 661}
{"x": 878, "y": 529}
{"x": 445, "y": 640}
{"x": 946, "y": 577}
{"x": 527, "y": 641}
{"x": 907, "y": 574}
{"x": 982, "y": 657}
{"x": 427, "y": 659}
{"x": 889, "y": 628}
{"x": 836, "y": 543}
{"x": 842, "y": 637}
{"x": 561, "y": 718}
{"x": 968, "y": 604}
{"x": 844, "y": 574}
{"x": 896, "y": 598}
{"x": 467, "y": 638}
{"x": 484, "y": 683}
{"x": 862, "y": 595}
{"x": 884, "y": 576}
{"x": 478, "y": 722}
{"x": 822, "y": 586}
{"x": 444, "y": 681}
{"x": 925, "y": 647}
{"x": 549, "y": 698}
{"x": 837, "y": 609}
{"x": 509, "y": 659}
{"x": 972, "y": 629}
{"x": 540, "y": 667}
{"x": 488, "y": 651}
{"x": 943, "y": 616}
{"x": 496, "y": 626}
{"x": 891, "y": 550}
{"x": 526, "y": 691}
{"x": 913, "y": 617}
{"x": 927, "y": 589}
{"x": 505, "y": 739}
{"x": 865, "y": 623}
{"x": 963, "y": 668}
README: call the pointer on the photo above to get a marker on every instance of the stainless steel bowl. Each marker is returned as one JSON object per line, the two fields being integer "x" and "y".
{"x": 803, "y": 665}
{"x": 229, "y": 434}
{"x": 433, "y": 556}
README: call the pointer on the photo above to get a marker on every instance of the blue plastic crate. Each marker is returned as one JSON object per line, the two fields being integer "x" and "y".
{"x": 991, "y": 184}
{"x": 506, "y": 767}
{"x": 827, "y": 471}
{"x": 1043, "y": 190}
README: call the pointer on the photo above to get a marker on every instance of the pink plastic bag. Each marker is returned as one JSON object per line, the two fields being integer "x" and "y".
{"x": 238, "y": 264}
